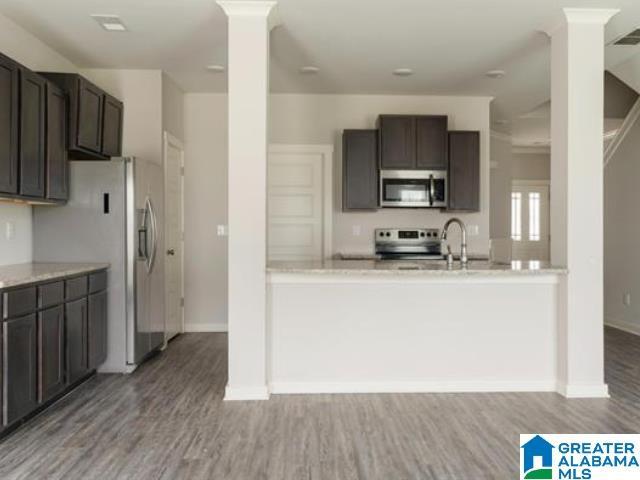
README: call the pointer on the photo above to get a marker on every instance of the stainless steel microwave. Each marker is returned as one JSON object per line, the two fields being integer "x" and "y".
{"x": 413, "y": 188}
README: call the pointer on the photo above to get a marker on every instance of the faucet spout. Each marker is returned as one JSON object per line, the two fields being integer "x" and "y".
{"x": 463, "y": 230}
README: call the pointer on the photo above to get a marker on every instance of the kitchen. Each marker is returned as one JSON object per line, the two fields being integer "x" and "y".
{"x": 386, "y": 318}
{"x": 317, "y": 230}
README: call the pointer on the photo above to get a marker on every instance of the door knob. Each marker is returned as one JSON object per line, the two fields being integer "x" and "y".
{"x": 171, "y": 251}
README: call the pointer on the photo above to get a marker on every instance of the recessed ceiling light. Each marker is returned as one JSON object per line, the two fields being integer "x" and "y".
{"x": 495, "y": 73}
{"x": 216, "y": 68}
{"x": 309, "y": 69}
{"x": 403, "y": 72}
{"x": 111, "y": 23}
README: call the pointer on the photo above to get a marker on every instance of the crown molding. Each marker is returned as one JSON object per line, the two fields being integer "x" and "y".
{"x": 252, "y": 8}
{"x": 570, "y": 16}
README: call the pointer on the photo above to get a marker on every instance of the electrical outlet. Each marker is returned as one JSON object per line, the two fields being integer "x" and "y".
{"x": 356, "y": 230}
{"x": 223, "y": 230}
{"x": 10, "y": 230}
{"x": 626, "y": 299}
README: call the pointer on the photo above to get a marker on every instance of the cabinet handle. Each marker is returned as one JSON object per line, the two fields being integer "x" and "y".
{"x": 171, "y": 251}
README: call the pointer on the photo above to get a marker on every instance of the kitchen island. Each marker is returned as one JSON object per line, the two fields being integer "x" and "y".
{"x": 412, "y": 326}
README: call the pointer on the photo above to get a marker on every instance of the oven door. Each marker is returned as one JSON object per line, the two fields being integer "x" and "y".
{"x": 413, "y": 189}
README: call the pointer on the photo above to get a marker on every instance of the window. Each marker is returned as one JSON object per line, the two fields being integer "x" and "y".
{"x": 516, "y": 216}
{"x": 534, "y": 216}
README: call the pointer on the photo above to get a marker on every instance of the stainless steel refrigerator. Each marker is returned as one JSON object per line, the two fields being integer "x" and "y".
{"x": 115, "y": 215}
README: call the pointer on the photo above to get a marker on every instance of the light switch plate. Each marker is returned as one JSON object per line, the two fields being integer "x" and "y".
{"x": 223, "y": 230}
{"x": 356, "y": 230}
{"x": 473, "y": 230}
{"x": 626, "y": 299}
{"x": 10, "y": 230}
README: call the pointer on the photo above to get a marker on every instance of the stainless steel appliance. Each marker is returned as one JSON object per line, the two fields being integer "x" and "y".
{"x": 413, "y": 188}
{"x": 408, "y": 244}
{"x": 115, "y": 215}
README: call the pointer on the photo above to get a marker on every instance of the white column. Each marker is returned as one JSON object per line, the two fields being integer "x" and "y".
{"x": 248, "y": 76}
{"x": 577, "y": 92}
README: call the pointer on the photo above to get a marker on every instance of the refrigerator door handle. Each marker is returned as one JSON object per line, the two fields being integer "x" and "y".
{"x": 154, "y": 235}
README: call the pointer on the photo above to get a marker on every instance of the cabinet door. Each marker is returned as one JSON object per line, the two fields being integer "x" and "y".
{"x": 464, "y": 171}
{"x": 51, "y": 378}
{"x": 32, "y": 134}
{"x": 397, "y": 142}
{"x": 359, "y": 170}
{"x": 76, "y": 339}
{"x": 19, "y": 345}
{"x": 8, "y": 126}
{"x": 89, "y": 116}
{"x": 112, "y": 127}
{"x": 57, "y": 166}
{"x": 97, "y": 329}
{"x": 431, "y": 142}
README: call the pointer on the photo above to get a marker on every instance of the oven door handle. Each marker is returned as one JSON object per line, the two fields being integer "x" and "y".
{"x": 432, "y": 189}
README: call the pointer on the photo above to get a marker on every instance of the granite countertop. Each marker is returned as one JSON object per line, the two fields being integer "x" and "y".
{"x": 411, "y": 267}
{"x": 374, "y": 256}
{"x": 26, "y": 273}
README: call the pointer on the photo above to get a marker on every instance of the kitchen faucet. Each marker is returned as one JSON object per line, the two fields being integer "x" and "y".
{"x": 463, "y": 230}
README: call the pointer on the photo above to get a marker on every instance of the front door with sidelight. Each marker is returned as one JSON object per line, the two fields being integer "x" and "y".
{"x": 530, "y": 221}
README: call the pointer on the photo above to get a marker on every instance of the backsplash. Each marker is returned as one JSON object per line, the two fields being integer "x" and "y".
{"x": 15, "y": 234}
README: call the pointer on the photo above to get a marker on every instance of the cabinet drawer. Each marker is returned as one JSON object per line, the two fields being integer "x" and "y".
{"x": 50, "y": 294}
{"x": 19, "y": 302}
{"x": 97, "y": 282}
{"x": 75, "y": 288}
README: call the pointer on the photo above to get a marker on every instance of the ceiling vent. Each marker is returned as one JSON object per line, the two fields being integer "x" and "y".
{"x": 111, "y": 23}
{"x": 631, "y": 39}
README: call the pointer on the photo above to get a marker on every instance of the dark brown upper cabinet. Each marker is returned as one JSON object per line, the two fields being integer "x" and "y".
{"x": 410, "y": 142}
{"x": 32, "y": 134}
{"x": 9, "y": 87}
{"x": 464, "y": 171}
{"x": 431, "y": 142}
{"x": 57, "y": 172}
{"x": 95, "y": 118}
{"x": 359, "y": 170}
{"x": 112, "y": 127}
{"x": 397, "y": 142}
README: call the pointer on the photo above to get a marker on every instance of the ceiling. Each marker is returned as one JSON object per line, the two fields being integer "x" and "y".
{"x": 450, "y": 44}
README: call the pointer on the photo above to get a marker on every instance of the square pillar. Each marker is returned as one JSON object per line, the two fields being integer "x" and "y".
{"x": 248, "y": 72}
{"x": 577, "y": 93}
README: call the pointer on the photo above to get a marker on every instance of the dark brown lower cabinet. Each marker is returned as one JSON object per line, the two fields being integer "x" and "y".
{"x": 19, "y": 346}
{"x": 76, "y": 339}
{"x": 97, "y": 334}
{"x": 51, "y": 378}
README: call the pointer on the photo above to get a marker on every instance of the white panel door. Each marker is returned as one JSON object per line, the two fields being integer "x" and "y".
{"x": 174, "y": 154}
{"x": 530, "y": 221}
{"x": 296, "y": 204}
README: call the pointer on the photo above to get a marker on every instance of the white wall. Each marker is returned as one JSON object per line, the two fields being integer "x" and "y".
{"x": 320, "y": 119}
{"x": 306, "y": 119}
{"x": 23, "y": 47}
{"x": 622, "y": 234}
{"x": 172, "y": 108}
{"x": 531, "y": 166}
{"x": 205, "y": 207}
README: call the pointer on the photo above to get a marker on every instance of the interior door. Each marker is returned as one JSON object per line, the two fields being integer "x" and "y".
{"x": 174, "y": 154}
{"x": 295, "y": 206}
{"x": 530, "y": 221}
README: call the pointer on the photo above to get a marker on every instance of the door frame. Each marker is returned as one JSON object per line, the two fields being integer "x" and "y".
{"x": 326, "y": 157}
{"x": 533, "y": 183}
{"x": 167, "y": 140}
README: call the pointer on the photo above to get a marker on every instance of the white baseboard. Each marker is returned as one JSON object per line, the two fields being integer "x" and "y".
{"x": 584, "y": 391}
{"x": 246, "y": 393}
{"x": 205, "y": 327}
{"x": 123, "y": 369}
{"x": 624, "y": 326}
{"x": 410, "y": 387}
